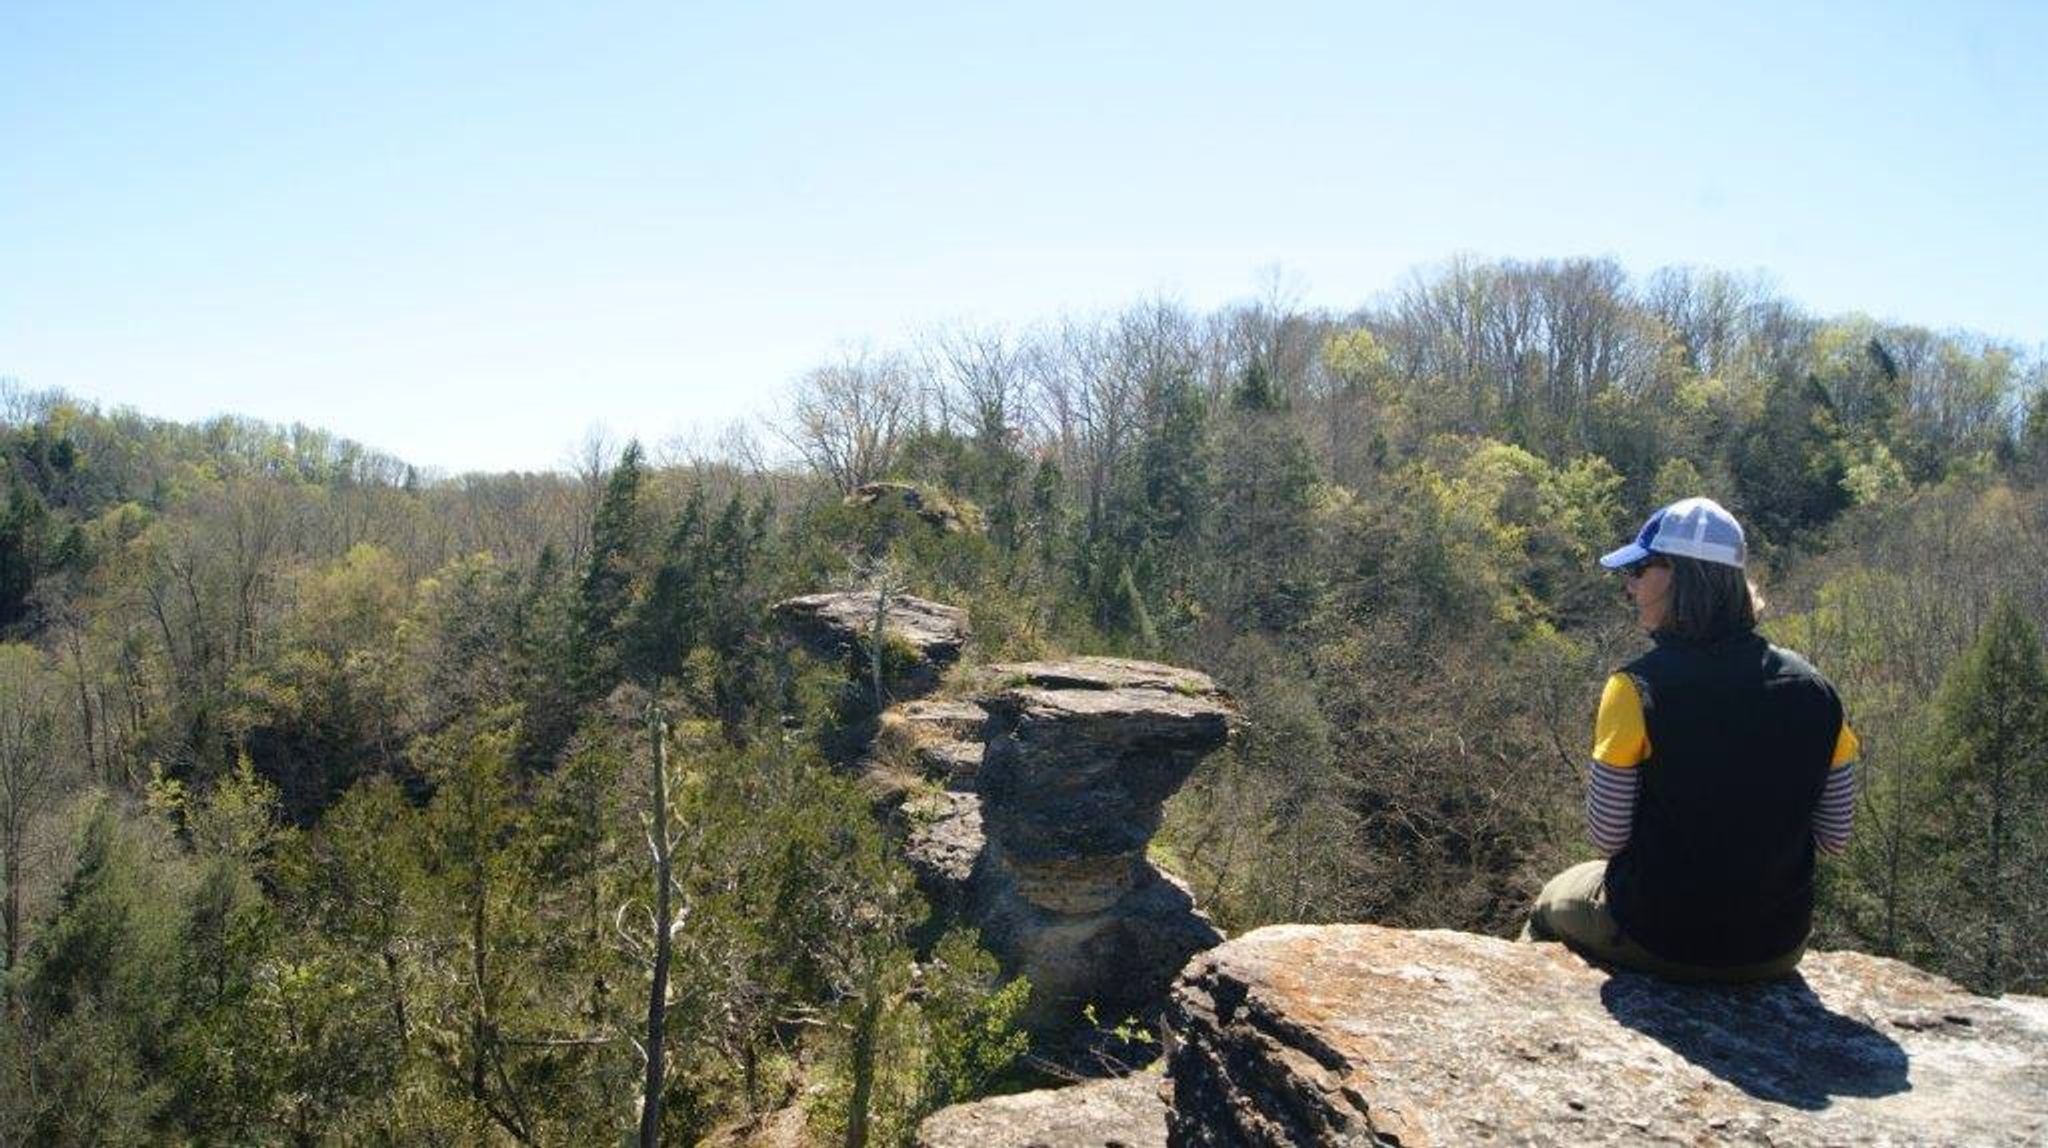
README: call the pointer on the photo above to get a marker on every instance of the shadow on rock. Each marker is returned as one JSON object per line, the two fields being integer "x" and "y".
{"x": 1775, "y": 1041}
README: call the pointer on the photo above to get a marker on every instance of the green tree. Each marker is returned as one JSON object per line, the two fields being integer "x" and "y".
{"x": 482, "y": 893}
{"x": 607, "y": 586}
{"x": 1261, "y": 538}
{"x": 1789, "y": 467}
{"x": 33, "y": 776}
{"x": 103, "y": 984}
{"x": 734, "y": 610}
{"x": 668, "y": 624}
{"x": 546, "y": 643}
{"x": 24, "y": 536}
{"x": 223, "y": 1057}
{"x": 353, "y": 892}
{"x": 1990, "y": 786}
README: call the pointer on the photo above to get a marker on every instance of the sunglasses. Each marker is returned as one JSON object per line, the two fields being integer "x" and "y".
{"x": 1635, "y": 569}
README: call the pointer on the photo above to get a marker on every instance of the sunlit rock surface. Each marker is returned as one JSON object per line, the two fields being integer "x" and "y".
{"x": 1122, "y": 1113}
{"x": 1358, "y": 1035}
{"x": 937, "y": 512}
{"x": 1352, "y": 1034}
{"x": 925, "y": 636}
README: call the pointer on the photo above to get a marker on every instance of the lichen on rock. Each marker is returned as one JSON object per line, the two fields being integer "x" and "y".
{"x": 1354, "y": 1034}
{"x": 1360, "y": 1036}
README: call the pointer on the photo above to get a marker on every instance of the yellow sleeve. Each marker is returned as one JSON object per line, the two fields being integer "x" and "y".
{"x": 1619, "y": 738}
{"x": 1846, "y": 747}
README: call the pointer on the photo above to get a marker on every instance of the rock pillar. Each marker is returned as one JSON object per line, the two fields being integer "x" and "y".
{"x": 1080, "y": 756}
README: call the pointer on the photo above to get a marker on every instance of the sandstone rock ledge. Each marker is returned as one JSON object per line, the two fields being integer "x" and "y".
{"x": 1352, "y": 1034}
{"x": 1368, "y": 1037}
{"x": 929, "y": 635}
{"x": 940, "y": 739}
{"x": 1123, "y": 1113}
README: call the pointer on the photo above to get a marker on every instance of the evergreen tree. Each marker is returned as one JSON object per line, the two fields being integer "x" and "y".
{"x": 1990, "y": 788}
{"x": 1256, "y": 391}
{"x": 1789, "y": 467}
{"x": 24, "y": 535}
{"x": 1048, "y": 516}
{"x": 1174, "y": 471}
{"x": 102, "y": 982}
{"x": 671, "y": 620}
{"x": 1261, "y": 537}
{"x": 545, "y": 648}
{"x": 607, "y": 587}
{"x": 734, "y": 613}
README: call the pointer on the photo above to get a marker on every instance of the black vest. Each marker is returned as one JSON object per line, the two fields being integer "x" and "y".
{"x": 1718, "y": 870}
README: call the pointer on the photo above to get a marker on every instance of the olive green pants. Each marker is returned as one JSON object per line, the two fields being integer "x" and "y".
{"x": 1573, "y": 908}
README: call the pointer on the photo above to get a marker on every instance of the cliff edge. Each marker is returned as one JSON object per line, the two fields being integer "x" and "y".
{"x": 1360, "y": 1035}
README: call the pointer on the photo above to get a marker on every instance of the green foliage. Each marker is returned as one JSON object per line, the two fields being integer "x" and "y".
{"x": 24, "y": 539}
{"x": 969, "y": 1018}
{"x": 668, "y": 621}
{"x": 103, "y": 981}
{"x": 1988, "y": 793}
{"x": 606, "y": 589}
{"x": 1789, "y": 471}
{"x": 1259, "y": 544}
{"x": 921, "y": 1037}
{"x": 388, "y": 888}
{"x": 546, "y": 644}
{"x": 1920, "y": 590}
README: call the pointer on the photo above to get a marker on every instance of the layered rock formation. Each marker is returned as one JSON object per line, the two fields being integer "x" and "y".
{"x": 1081, "y": 754}
{"x": 1358, "y": 1035}
{"x": 921, "y": 638}
{"x": 940, "y": 739}
{"x": 1053, "y": 780}
{"x": 942, "y": 843}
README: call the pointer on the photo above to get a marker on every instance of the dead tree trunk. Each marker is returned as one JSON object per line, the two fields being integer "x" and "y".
{"x": 657, "y": 993}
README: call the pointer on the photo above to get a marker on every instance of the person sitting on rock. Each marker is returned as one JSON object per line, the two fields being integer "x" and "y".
{"x": 1720, "y": 764}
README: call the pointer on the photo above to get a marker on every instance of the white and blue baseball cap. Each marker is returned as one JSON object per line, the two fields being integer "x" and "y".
{"x": 1690, "y": 528}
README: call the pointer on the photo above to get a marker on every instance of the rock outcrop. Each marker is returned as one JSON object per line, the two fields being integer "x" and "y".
{"x": 921, "y": 638}
{"x": 1340, "y": 1034}
{"x": 942, "y": 844}
{"x": 1053, "y": 780}
{"x": 1081, "y": 754}
{"x": 938, "y": 512}
{"x": 1359, "y": 1035}
{"x": 940, "y": 739}
{"x": 1120, "y": 1113}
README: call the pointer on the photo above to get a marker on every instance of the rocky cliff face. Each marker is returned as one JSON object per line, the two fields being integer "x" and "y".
{"x": 1054, "y": 774}
{"x": 942, "y": 740}
{"x": 1357, "y": 1035}
{"x": 1081, "y": 754}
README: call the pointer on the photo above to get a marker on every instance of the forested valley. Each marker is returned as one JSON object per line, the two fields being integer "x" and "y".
{"x": 327, "y": 786}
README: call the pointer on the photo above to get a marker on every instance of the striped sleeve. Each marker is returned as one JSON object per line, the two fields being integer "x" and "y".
{"x": 1835, "y": 816}
{"x": 1610, "y": 806}
{"x": 1620, "y": 743}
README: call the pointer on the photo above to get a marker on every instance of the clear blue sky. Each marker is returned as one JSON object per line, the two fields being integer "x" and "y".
{"x": 464, "y": 234}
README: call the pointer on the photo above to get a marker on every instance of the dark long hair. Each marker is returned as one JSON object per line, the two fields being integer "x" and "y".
{"x": 1709, "y": 601}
